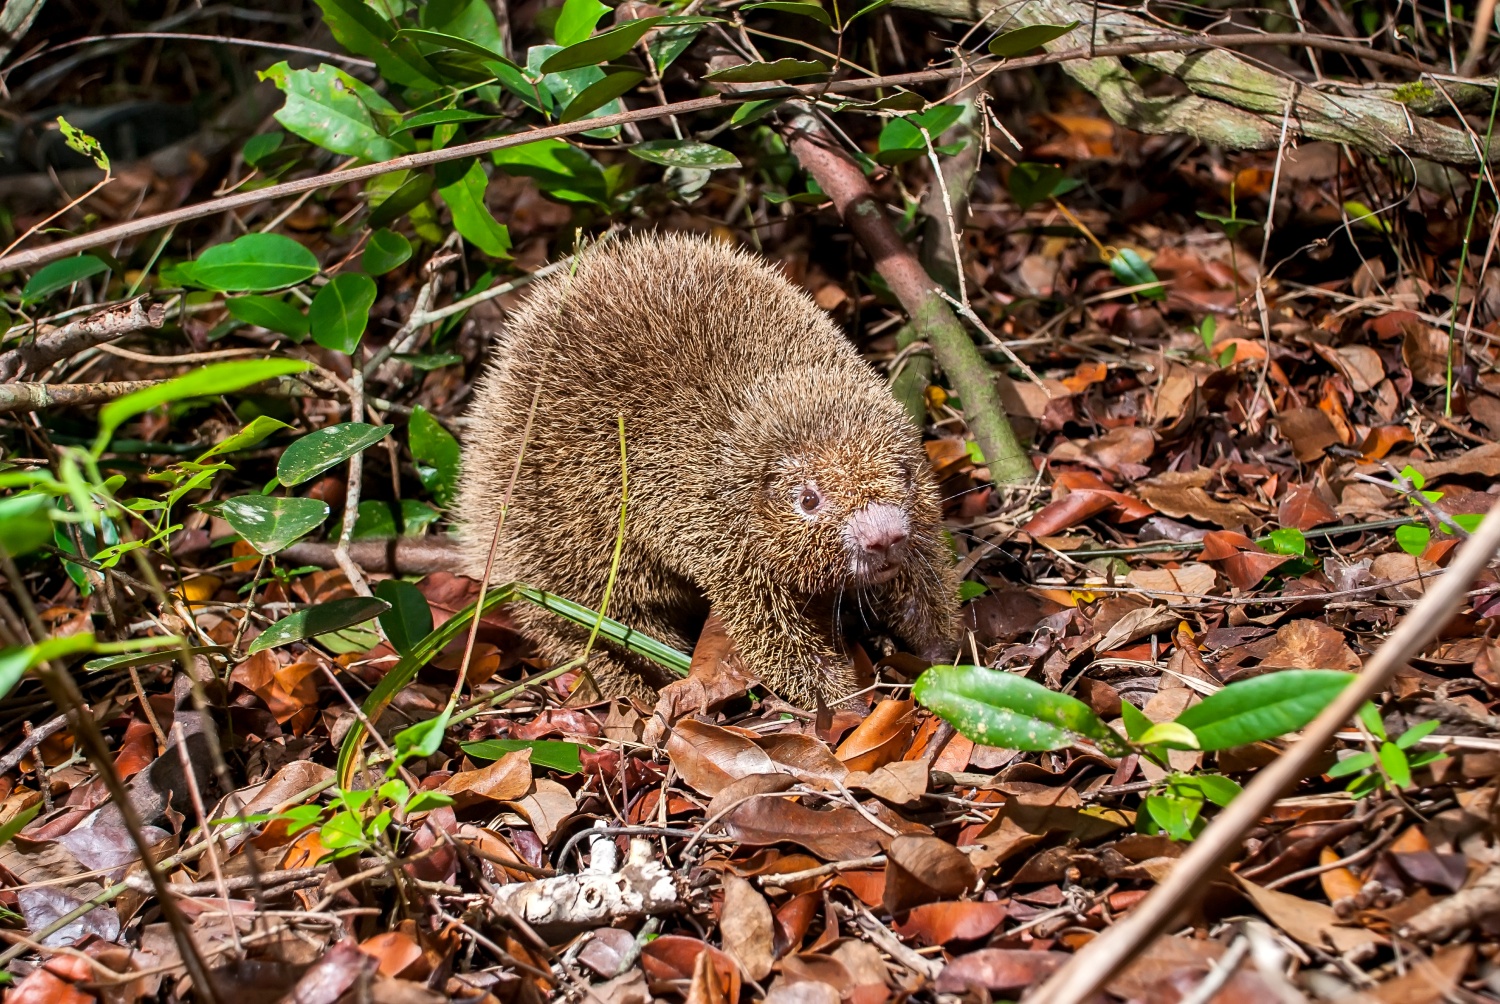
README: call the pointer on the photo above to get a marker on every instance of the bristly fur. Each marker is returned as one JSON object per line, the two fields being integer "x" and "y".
{"x": 737, "y": 394}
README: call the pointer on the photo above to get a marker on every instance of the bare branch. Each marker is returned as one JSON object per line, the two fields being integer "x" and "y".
{"x": 105, "y": 325}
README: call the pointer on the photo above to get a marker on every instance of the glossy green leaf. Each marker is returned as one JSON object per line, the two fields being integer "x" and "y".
{"x": 16, "y": 662}
{"x": 1263, "y": 707}
{"x": 385, "y": 251}
{"x": 1286, "y": 540}
{"x": 1417, "y": 733}
{"x": 268, "y": 523}
{"x": 1131, "y": 269}
{"x": 471, "y": 217}
{"x": 376, "y": 521}
{"x": 812, "y": 10}
{"x": 1397, "y": 768}
{"x": 901, "y": 139}
{"x": 323, "y": 618}
{"x": 685, "y": 153}
{"x": 435, "y": 361}
{"x": 971, "y": 590}
{"x": 1352, "y": 765}
{"x": 423, "y": 738}
{"x": 254, "y": 263}
{"x": 258, "y": 148}
{"x": 270, "y": 313}
{"x": 1030, "y": 183}
{"x": 454, "y": 42}
{"x": 551, "y": 753}
{"x": 436, "y": 454}
{"x": 340, "y": 311}
{"x": 257, "y": 429}
{"x": 1024, "y": 39}
{"x": 1369, "y": 716}
{"x": 210, "y": 380}
{"x": 1136, "y": 723}
{"x": 562, "y": 171}
{"x": 669, "y": 42}
{"x": 317, "y": 451}
{"x": 441, "y": 116}
{"x": 758, "y": 73}
{"x": 1216, "y": 788}
{"x": 412, "y": 193}
{"x": 600, "y": 93}
{"x": 752, "y": 111}
{"x": 1413, "y": 539}
{"x": 577, "y": 20}
{"x": 1009, "y": 711}
{"x": 59, "y": 275}
{"x": 607, "y": 46}
{"x": 1175, "y": 816}
{"x": 868, "y": 8}
{"x": 1172, "y": 735}
{"x": 335, "y": 111}
{"x": 358, "y": 28}
{"x": 25, "y": 522}
{"x": 409, "y": 618}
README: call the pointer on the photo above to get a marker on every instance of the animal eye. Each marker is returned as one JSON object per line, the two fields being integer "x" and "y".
{"x": 808, "y": 499}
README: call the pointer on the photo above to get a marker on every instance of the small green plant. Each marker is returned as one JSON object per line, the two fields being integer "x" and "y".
{"x": 1009, "y": 711}
{"x": 1389, "y": 765}
{"x": 1412, "y": 538}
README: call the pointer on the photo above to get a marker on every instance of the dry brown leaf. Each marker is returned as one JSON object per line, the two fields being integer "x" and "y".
{"x": 747, "y": 926}
{"x": 923, "y": 870}
{"x": 837, "y": 834}
{"x": 1310, "y": 643}
{"x": 1183, "y": 496}
{"x": 547, "y": 807}
{"x": 1480, "y": 460}
{"x": 1303, "y": 508}
{"x": 708, "y": 758}
{"x": 1337, "y": 883}
{"x": 505, "y": 780}
{"x": 1194, "y": 579}
{"x": 1426, "y": 981}
{"x": 1139, "y": 623}
{"x": 1313, "y": 924}
{"x": 1309, "y": 430}
{"x": 940, "y": 923}
{"x": 901, "y": 782}
{"x": 1425, "y": 351}
{"x": 806, "y": 757}
{"x": 1396, "y": 567}
{"x": 881, "y": 738}
{"x": 1361, "y": 365}
{"x": 1001, "y": 971}
{"x": 717, "y": 674}
{"x": 396, "y": 951}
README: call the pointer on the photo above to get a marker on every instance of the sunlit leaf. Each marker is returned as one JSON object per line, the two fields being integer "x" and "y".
{"x": 471, "y": 217}
{"x": 323, "y": 618}
{"x": 685, "y": 153}
{"x": 268, "y": 523}
{"x": 1009, "y": 711}
{"x": 340, "y": 311}
{"x": 1263, "y": 707}
{"x": 270, "y": 313}
{"x": 336, "y": 111}
{"x": 551, "y": 753}
{"x": 254, "y": 263}
{"x": 409, "y": 618}
{"x": 1031, "y": 36}
{"x": 600, "y": 93}
{"x": 436, "y": 454}
{"x": 317, "y": 451}
{"x": 577, "y": 20}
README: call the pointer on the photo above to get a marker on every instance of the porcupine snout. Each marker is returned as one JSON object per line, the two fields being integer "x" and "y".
{"x": 876, "y": 537}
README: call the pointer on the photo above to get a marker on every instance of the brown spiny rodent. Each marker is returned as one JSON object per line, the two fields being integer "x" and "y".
{"x": 771, "y": 475}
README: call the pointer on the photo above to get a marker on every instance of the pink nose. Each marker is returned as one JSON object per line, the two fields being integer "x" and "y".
{"x": 879, "y": 529}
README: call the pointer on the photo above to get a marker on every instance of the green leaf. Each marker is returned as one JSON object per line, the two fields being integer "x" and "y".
{"x": 1413, "y": 539}
{"x": 258, "y": 148}
{"x": 1136, "y": 723}
{"x": 317, "y": 451}
{"x": 257, "y": 429}
{"x": 1227, "y": 356}
{"x": 971, "y": 590}
{"x": 811, "y": 10}
{"x": 471, "y": 217}
{"x": 1393, "y": 759}
{"x": 551, "y": 753}
{"x": 412, "y": 193}
{"x": 1411, "y": 736}
{"x": 1032, "y": 36}
{"x": 82, "y": 143}
{"x": 1174, "y": 815}
{"x": 25, "y": 522}
{"x": 600, "y": 93}
{"x": 670, "y": 42}
{"x": 376, "y": 521}
{"x": 341, "y": 310}
{"x": 1173, "y": 735}
{"x": 1216, "y": 788}
{"x": 868, "y": 8}
{"x": 409, "y": 619}
{"x": 1009, "y": 711}
{"x": 1369, "y": 714}
{"x": 758, "y": 73}
{"x": 18, "y": 822}
{"x": 441, "y": 116}
{"x": 333, "y": 110}
{"x": 423, "y": 738}
{"x": 436, "y": 454}
{"x": 207, "y": 381}
{"x": 254, "y": 263}
{"x": 1414, "y": 476}
{"x": 416, "y": 517}
{"x": 751, "y": 111}
{"x": 1352, "y": 765}
{"x": 1131, "y": 269}
{"x": 270, "y": 313}
{"x": 321, "y": 619}
{"x": 269, "y": 524}
{"x": 447, "y": 41}
{"x": 685, "y": 153}
{"x": 60, "y": 275}
{"x": 562, "y": 171}
{"x": 1286, "y": 540}
{"x": 1263, "y": 707}
{"x": 1031, "y": 182}
{"x": 607, "y": 46}
{"x": 385, "y": 251}
{"x": 16, "y": 662}
{"x": 426, "y": 801}
{"x": 357, "y": 27}
{"x": 435, "y": 361}
{"x": 577, "y": 21}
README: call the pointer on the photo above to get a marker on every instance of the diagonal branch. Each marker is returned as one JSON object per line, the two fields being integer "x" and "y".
{"x": 102, "y": 326}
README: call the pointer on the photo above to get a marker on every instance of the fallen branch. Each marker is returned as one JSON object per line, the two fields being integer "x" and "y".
{"x": 101, "y": 326}
{"x": 1451, "y": 149}
{"x": 1466, "y": 908}
{"x": 1232, "y": 101}
{"x": 402, "y": 556}
{"x": 38, "y": 396}
{"x": 840, "y": 177}
{"x": 1087, "y": 971}
{"x": 598, "y": 896}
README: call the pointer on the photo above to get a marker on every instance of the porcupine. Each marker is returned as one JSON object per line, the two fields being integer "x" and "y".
{"x": 772, "y": 477}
